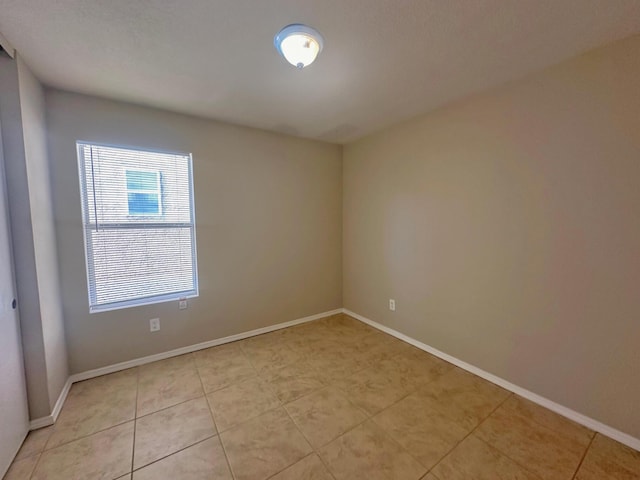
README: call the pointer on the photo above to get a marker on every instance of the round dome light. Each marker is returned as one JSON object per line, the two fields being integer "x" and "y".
{"x": 298, "y": 44}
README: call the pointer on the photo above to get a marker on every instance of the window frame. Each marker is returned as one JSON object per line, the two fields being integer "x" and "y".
{"x": 86, "y": 227}
{"x": 157, "y": 191}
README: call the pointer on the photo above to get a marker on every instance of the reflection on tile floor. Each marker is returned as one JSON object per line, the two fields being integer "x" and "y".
{"x": 330, "y": 399}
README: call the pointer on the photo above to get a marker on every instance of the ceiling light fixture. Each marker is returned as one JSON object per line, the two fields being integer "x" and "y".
{"x": 298, "y": 44}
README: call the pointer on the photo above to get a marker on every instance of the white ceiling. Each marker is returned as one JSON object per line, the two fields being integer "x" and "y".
{"x": 383, "y": 61}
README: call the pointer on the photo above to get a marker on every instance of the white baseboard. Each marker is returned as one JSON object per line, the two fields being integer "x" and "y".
{"x": 193, "y": 348}
{"x": 78, "y": 377}
{"x": 61, "y": 399}
{"x": 41, "y": 422}
{"x": 51, "y": 419}
{"x": 588, "y": 422}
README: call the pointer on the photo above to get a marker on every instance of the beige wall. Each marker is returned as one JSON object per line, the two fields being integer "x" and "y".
{"x": 44, "y": 240}
{"x": 33, "y": 236}
{"x": 268, "y": 222}
{"x": 22, "y": 239}
{"x": 507, "y": 228}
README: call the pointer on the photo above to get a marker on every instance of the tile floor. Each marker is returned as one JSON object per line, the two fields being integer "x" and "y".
{"x": 329, "y": 400}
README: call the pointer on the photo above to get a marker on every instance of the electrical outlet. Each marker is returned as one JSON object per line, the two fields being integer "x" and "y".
{"x": 154, "y": 324}
{"x": 182, "y": 304}
{"x": 392, "y": 305}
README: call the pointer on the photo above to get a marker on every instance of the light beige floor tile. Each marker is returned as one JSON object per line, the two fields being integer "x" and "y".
{"x": 293, "y": 381}
{"x": 222, "y": 366}
{"x": 101, "y": 456}
{"x": 241, "y": 402}
{"x": 344, "y": 325}
{"x": 551, "y": 454}
{"x": 309, "y": 468}
{"x": 550, "y": 419}
{"x": 35, "y": 442}
{"x": 377, "y": 346}
{"x": 609, "y": 460}
{"x": 203, "y": 461}
{"x": 22, "y": 469}
{"x": 422, "y": 406}
{"x": 324, "y": 415}
{"x": 167, "y": 431}
{"x": 424, "y": 432}
{"x": 337, "y": 362}
{"x": 366, "y": 452}
{"x": 380, "y": 346}
{"x": 374, "y": 388}
{"x": 463, "y": 397}
{"x": 473, "y": 459}
{"x": 325, "y": 345}
{"x": 306, "y": 339}
{"x": 270, "y": 356}
{"x": 264, "y": 446}
{"x": 94, "y": 405}
{"x": 166, "y": 383}
{"x": 418, "y": 367}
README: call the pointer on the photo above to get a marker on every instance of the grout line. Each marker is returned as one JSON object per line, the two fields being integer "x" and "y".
{"x": 546, "y": 427}
{"x": 577, "y": 417}
{"x": 120, "y": 423}
{"x": 231, "y": 384}
{"x": 213, "y": 419}
{"x": 135, "y": 418}
{"x": 44, "y": 448}
{"x": 368, "y": 417}
{"x": 226, "y": 457}
{"x": 123, "y": 422}
{"x": 470, "y": 432}
{"x": 313, "y": 449}
{"x": 283, "y": 405}
{"x": 135, "y": 421}
{"x": 173, "y": 453}
{"x": 326, "y": 465}
{"x": 257, "y": 377}
{"x": 258, "y": 371}
{"x": 330, "y": 384}
{"x": 82, "y": 437}
{"x": 511, "y": 394}
{"x": 393, "y": 440}
{"x": 523, "y": 466}
{"x": 34, "y": 467}
{"x": 298, "y": 461}
{"x": 247, "y": 420}
{"x": 168, "y": 407}
{"x": 583, "y": 457}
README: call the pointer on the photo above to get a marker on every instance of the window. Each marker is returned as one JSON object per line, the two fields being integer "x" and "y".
{"x": 143, "y": 192}
{"x": 139, "y": 226}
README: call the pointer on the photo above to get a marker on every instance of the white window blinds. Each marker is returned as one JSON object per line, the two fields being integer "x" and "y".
{"x": 139, "y": 226}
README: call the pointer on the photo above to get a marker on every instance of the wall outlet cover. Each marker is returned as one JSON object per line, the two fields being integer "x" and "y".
{"x": 154, "y": 324}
